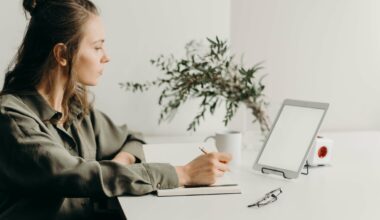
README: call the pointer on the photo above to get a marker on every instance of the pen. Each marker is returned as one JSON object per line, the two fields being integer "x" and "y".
{"x": 203, "y": 150}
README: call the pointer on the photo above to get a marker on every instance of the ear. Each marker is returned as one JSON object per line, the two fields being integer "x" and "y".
{"x": 60, "y": 55}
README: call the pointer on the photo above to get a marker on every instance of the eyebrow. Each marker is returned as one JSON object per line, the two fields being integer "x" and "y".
{"x": 101, "y": 40}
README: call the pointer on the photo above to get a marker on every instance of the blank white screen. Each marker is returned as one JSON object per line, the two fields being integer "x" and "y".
{"x": 291, "y": 137}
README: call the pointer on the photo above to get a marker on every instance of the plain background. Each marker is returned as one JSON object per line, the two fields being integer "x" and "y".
{"x": 324, "y": 51}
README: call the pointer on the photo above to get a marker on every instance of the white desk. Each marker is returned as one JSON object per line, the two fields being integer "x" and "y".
{"x": 349, "y": 189}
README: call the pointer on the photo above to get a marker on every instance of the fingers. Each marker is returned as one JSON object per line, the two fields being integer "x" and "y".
{"x": 219, "y": 173}
{"x": 222, "y": 166}
{"x": 218, "y": 163}
{"x": 224, "y": 157}
{"x": 204, "y": 169}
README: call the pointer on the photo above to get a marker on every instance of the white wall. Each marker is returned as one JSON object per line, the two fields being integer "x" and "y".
{"x": 137, "y": 31}
{"x": 12, "y": 26}
{"x": 316, "y": 50}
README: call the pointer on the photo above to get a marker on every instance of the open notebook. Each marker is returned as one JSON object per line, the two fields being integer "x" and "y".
{"x": 180, "y": 154}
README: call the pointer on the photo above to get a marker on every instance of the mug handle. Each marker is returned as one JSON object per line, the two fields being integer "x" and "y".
{"x": 207, "y": 138}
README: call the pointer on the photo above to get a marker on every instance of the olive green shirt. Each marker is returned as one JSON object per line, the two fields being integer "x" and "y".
{"x": 48, "y": 171}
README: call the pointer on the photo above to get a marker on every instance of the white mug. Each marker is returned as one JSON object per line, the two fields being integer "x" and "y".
{"x": 229, "y": 142}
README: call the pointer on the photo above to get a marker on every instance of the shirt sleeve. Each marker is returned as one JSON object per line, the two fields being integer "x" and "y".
{"x": 111, "y": 139}
{"x": 33, "y": 162}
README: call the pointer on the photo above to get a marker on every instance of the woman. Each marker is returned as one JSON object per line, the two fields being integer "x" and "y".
{"x": 58, "y": 155}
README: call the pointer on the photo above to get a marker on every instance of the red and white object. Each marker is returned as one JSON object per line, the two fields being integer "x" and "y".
{"x": 320, "y": 153}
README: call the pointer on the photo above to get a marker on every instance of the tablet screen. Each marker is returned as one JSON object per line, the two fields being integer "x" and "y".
{"x": 291, "y": 137}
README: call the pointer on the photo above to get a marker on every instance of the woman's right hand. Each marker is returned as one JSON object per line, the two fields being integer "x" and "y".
{"x": 204, "y": 169}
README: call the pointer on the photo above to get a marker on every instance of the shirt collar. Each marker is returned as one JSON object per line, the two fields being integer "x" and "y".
{"x": 43, "y": 110}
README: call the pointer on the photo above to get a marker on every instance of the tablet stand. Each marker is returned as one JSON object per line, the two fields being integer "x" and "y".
{"x": 307, "y": 168}
{"x": 278, "y": 171}
{"x": 282, "y": 172}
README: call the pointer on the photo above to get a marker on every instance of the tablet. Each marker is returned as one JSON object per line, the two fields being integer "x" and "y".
{"x": 291, "y": 138}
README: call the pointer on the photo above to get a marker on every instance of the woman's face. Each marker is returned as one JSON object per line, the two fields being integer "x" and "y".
{"x": 91, "y": 56}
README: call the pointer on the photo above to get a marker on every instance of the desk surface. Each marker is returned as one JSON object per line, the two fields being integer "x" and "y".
{"x": 349, "y": 189}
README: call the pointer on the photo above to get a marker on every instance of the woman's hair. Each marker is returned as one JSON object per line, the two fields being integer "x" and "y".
{"x": 51, "y": 22}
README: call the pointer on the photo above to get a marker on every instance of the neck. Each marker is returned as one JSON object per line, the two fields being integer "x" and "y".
{"x": 54, "y": 93}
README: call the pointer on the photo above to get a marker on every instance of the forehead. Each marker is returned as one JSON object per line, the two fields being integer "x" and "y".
{"x": 93, "y": 29}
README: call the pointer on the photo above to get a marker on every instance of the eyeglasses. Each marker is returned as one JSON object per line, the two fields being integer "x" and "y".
{"x": 270, "y": 197}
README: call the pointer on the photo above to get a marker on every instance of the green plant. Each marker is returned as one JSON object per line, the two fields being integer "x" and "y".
{"x": 210, "y": 74}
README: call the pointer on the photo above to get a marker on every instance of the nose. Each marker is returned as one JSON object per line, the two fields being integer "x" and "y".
{"x": 105, "y": 58}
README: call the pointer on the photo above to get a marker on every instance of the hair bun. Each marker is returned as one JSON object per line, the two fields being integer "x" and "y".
{"x": 30, "y": 5}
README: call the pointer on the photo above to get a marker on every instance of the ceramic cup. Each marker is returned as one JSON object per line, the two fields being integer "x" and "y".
{"x": 229, "y": 142}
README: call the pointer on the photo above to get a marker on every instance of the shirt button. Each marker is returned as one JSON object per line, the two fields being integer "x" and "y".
{"x": 158, "y": 185}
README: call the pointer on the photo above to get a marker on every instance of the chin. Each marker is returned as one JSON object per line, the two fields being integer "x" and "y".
{"x": 90, "y": 83}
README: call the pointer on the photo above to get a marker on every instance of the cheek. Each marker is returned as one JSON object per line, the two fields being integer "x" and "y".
{"x": 86, "y": 67}
{"x": 85, "y": 61}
